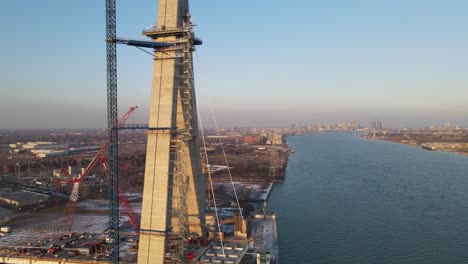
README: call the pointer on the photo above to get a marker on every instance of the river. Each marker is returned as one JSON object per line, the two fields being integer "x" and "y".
{"x": 352, "y": 200}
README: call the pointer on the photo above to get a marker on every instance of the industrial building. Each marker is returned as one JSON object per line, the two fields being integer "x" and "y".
{"x": 49, "y": 149}
{"x": 253, "y": 139}
{"x": 274, "y": 138}
{"x": 43, "y": 145}
{"x": 22, "y": 198}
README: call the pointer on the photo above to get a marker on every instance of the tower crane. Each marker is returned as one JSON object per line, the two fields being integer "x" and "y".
{"x": 112, "y": 126}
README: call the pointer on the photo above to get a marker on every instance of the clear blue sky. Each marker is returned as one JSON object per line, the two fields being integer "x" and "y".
{"x": 265, "y": 63}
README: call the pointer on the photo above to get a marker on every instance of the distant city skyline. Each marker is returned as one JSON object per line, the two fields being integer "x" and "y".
{"x": 263, "y": 63}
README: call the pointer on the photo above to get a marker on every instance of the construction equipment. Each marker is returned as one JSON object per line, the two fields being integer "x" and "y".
{"x": 76, "y": 181}
{"x": 113, "y": 131}
{"x": 240, "y": 225}
{"x": 124, "y": 202}
{"x": 112, "y": 126}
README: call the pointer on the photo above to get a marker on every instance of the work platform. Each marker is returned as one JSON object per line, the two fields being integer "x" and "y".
{"x": 265, "y": 235}
{"x": 170, "y": 32}
{"x": 231, "y": 253}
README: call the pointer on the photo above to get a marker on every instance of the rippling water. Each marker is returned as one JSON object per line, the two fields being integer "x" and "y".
{"x": 353, "y": 200}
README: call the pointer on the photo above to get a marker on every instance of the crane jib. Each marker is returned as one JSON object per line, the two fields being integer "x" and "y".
{"x": 140, "y": 43}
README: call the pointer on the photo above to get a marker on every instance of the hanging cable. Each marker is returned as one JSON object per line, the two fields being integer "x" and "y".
{"x": 209, "y": 176}
{"x": 227, "y": 165}
{"x": 224, "y": 153}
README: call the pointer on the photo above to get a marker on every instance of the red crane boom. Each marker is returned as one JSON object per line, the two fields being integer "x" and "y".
{"x": 124, "y": 202}
{"x": 76, "y": 181}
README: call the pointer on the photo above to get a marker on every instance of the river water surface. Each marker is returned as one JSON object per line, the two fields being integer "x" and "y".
{"x": 353, "y": 200}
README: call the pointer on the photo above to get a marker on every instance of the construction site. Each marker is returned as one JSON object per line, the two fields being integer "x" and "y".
{"x": 162, "y": 192}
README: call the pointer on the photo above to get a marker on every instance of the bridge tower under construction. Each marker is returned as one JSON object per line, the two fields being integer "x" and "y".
{"x": 174, "y": 187}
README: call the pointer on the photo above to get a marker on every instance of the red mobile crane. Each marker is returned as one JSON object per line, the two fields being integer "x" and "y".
{"x": 76, "y": 181}
{"x": 124, "y": 202}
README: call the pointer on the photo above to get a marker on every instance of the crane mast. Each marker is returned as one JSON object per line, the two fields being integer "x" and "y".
{"x": 113, "y": 131}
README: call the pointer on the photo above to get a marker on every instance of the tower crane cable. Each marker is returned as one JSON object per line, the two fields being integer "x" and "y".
{"x": 151, "y": 54}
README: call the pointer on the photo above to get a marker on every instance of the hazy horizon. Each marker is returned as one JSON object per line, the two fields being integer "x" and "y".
{"x": 259, "y": 119}
{"x": 262, "y": 63}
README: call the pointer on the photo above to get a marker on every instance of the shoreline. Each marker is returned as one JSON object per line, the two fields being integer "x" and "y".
{"x": 421, "y": 145}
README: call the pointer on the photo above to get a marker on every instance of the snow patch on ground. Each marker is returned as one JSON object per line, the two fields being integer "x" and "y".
{"x": 247, "y": 191}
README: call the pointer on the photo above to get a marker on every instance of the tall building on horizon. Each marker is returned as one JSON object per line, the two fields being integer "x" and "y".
{"x": 376, "y": 124}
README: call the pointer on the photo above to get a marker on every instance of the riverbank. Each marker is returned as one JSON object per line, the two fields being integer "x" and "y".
{"x": 460, "y": 148}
